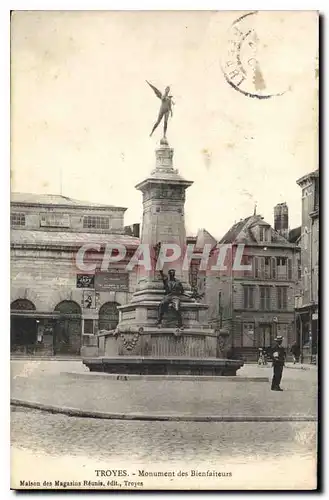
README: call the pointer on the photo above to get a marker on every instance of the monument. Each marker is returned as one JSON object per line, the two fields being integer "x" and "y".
{"x": 161, "y": 331}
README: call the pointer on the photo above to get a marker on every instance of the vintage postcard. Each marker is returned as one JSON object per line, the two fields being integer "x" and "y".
{"x": 164, "y": 250}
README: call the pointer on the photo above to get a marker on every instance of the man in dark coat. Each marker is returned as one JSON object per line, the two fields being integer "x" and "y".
{"x": 278, "y": 359}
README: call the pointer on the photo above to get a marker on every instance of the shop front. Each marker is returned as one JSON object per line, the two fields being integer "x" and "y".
{"x": 307, "y": 332}
{"x": 45, "y": 333}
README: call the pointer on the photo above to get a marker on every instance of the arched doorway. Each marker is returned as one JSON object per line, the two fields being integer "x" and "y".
{"x": 67, "y": 332}
{"x": 23, "y": 329}
{"x": 108, "y": 316}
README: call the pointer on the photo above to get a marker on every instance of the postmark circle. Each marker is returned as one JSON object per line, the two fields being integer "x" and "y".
{"x": 246, "y": 66}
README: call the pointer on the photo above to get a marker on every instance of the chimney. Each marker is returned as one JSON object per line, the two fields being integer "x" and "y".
{"x": 136, "y": 230}
{"x": 133, "y": 230}
{"x": 281, "y": 219}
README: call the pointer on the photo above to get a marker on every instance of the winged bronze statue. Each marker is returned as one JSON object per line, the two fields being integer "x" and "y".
{"x": 165, "y": 108}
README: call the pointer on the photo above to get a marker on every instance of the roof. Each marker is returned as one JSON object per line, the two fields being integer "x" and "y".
{"x": 295, "y": 234}
{"x": 54, "y": 199}
{"x": 235, "y": 230}
{"x": 69, "y": 239}
{"x": 204, "y": 237}
{"x": 310, "y": 175}
{"x": 241, "y": 232}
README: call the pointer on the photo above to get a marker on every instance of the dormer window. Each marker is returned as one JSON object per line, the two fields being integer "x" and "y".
{"x": 264, "y": 233}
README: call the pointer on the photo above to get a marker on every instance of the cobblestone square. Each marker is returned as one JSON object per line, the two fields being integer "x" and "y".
{"x": 77, "y": 444}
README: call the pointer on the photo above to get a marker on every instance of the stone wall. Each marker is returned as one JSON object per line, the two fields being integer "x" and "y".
{"x": 48, "y": 277}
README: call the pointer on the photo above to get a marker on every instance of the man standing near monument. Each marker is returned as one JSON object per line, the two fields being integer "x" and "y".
{"x": 173, "y": 291}
{"x": 278, "y": 358}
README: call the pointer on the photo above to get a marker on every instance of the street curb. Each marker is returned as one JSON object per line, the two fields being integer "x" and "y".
{"x": 300, "y": 367}
{"x": 74, "y": 412}
{"x": 43, "y": 358}
{"x": 188, "y": 378}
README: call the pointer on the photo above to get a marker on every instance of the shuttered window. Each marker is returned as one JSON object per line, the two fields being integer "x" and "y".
{"x": 265, "y": 298}
{"x": 249, "y": 297}
{"x": 282, "y": 295}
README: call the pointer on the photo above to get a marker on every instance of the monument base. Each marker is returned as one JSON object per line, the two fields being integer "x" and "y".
{"x": 139, "y": 365}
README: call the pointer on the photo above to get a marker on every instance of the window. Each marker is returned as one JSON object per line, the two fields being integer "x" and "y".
{"x": 96, "y": 222}
{"x": 256, "y": 270}
{"x": 248, "y": 334}
{"x": 281, "y": 268}
{"x": 289, "y": 261}
{"x": 17, "y": 219}
{"x": 247, "y": 260}
{"x": 282, "y": 297}
{"x": 262, "y": 234}
{"x": 273, "y": 268}
{"x": 265, "y": 298}
{"x": 259, "y": 267}
{"x": 88, "y": 328}
{"x": 267, "y": 267}
{"x": 248, "y": 297}
{"x": 316, "y": 194}
{"x": 299, "y": 271}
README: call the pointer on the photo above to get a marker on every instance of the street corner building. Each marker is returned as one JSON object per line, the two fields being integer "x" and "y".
{"x": 307, "y": 299}
{"x": 257, "y": 304}
{"x": 57, "y": 308}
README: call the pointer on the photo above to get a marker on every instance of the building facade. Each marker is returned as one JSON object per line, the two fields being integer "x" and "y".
{"x": 256, "y": 304}
{"x": 307, "y": 305}
{"x": 57, "y": 305}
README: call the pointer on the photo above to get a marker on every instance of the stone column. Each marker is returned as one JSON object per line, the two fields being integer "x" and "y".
{"x": 163, "y": 215}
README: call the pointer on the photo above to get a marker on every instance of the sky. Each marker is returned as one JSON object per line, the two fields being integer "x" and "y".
{"x": 81, "y": 111}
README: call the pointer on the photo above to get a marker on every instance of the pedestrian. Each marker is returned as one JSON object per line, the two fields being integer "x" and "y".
{"x": 295, "y": 351}
{"x": 278, "y": 359}
{"x": 261, "y": 356}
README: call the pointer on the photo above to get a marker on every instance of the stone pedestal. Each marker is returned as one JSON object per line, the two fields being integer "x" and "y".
{"x": 137, "y": 336}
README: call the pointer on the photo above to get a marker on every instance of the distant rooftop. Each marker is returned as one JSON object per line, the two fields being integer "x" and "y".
{"x": 295, "y": 234}
{"x": 55, "y": 199}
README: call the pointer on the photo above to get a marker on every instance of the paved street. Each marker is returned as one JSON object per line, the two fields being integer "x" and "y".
{"x": 257, "y": 452}
{"x": 50, "y": 383}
